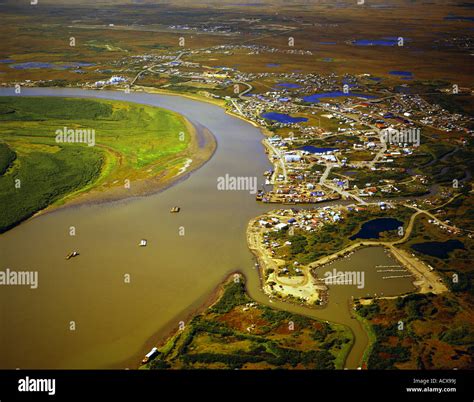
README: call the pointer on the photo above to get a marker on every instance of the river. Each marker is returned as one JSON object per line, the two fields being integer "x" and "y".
{"x": 117, "y": 322}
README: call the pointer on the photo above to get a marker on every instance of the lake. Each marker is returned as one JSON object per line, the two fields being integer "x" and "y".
{"x": 317, "y": 150}
{"x": 335, "y": 94}
{"x": 458, "y": 18}
{"x": 376, "y": 42}
{"x": 437, "y": 248}
{"x": 376, "y": 263}
{"x": 373, "y": 228}
{"x": 283, "y": 118}
{"x": 288, "y": 85}
{"x": 399, "y": 73}
{"x": 58, "y": 66}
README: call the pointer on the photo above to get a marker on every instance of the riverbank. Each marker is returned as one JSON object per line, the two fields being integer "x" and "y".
{"x": 164, "y": 338}
{"x": 425, "y": 280}
{"x": 422, "y": 279}
{"x": 201, "y": 148}
{"x": 201, "y": 154}
{"x": 217, "y": 102}
{"x": 236, "y": 332}
{"x": 291, "y": 291}
{"x": 169, "y": 278}
{"x": 159, "y": 91}
{"x": 202, "y": 145}
{"x": 196, "y": 156}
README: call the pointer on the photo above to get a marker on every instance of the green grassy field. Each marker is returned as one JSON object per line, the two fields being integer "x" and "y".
{"x": 7, "y": 156}
{"x": 132, "y": 142}
{"x": 236, "y": 332}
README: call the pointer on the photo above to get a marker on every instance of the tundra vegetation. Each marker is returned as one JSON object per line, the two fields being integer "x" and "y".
{"x": 436, "y": 331}
{"x": 133, "y": 142}
{"x": 238, "y": 333}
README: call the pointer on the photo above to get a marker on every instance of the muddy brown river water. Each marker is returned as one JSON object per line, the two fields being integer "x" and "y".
{"x": 117, "y": 322}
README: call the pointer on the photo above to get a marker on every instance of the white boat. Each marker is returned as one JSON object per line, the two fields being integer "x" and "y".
{"x": 143, "y": 243}
{"x": 152, "y": 353}
{"x": 71, "y": 255}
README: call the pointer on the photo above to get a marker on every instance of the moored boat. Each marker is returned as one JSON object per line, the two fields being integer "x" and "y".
{"x": 150, "y": 355}
{"x": 72, "y": 254}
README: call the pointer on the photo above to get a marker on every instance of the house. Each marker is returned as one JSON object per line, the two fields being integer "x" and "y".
{"x": 371, "y": 190}
{"x": 281, "y": 226}
{"x": 264, "y": 224}
{"x": 292, "y": 158}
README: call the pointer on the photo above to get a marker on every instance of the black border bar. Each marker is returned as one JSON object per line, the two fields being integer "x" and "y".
{"x": 358, "y": 385}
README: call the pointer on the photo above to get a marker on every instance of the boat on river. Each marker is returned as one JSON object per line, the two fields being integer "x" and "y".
{"x": 150, "y": 355}
{"x": 71, "y": 255}
{"x": 175, "y": 209}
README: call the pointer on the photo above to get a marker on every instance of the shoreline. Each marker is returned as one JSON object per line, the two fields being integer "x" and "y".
{"x": 148, "y": 186}
{"x": 261, "y": 257}
{"x": 213, "y": 297}
{"x": 199, "y": 156}
{"x": 216, "y": 102}
{"x": 160, "y": 338}
{"x": 419, "y": 278}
